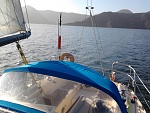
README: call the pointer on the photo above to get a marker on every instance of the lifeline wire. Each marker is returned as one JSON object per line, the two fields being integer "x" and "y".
{"x": 142, "y": 96}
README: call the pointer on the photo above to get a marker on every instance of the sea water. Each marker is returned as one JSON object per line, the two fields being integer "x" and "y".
{"x": 97, "y": 48}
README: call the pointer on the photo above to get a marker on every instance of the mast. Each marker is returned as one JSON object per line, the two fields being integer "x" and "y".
{"x": 59, "y": 36}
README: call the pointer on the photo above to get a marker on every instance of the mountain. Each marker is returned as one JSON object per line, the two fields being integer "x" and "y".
{"x": 121, "y": 19}
{"x": 51, "y": 17}
{"x": 118, "y": 20}
{"x": 35, "y": 16}
{"x": 125, "y": 11}
{"x": 66, "y": 17}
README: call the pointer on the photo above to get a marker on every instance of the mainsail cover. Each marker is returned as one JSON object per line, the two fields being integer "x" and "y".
{"x": 11, "y": 17}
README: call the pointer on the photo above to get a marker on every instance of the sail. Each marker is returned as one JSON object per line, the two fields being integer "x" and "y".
{"x": 11, "y": 19}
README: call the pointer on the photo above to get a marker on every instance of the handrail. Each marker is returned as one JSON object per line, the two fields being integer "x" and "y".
{"x": 135, "y": 74}
{"x": 133, "y": 79}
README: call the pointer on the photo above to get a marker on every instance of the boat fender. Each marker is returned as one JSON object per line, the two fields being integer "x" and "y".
{"x": 113, "y": 76}
{"x": 67, "y": 56}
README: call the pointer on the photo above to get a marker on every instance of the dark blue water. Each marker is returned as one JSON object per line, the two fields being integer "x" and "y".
{"x": 129, "y": 46}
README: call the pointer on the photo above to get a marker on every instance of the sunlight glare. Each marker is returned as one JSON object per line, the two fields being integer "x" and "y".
{"x": 54, "y": 5}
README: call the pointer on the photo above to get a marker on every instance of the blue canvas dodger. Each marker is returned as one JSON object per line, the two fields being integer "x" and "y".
{"x": 75, "y": 72}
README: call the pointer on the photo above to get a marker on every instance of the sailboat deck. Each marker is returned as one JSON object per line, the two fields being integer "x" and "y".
{"x": 89, "y": 99}
{"x": 59, "y": 90}
{"x": 70, "y": 85}
{"x": 58, "y": 96}
{"x": 82, "y": 98}
{"x": 89, "y": 96}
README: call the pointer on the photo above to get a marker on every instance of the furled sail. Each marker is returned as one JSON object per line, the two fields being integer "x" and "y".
{"x": 11, "y": 21}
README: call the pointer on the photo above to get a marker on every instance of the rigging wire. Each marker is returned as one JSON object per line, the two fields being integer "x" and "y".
{"x": 99, "y": 37}
{"x": 98, "y": 50}
{"x": 81, "y": 38}
{"x": 87, "y": 3}
{"x": 90, "y": 8}
{"x": 91, "y": 2}
{"x": 103, "y": 51}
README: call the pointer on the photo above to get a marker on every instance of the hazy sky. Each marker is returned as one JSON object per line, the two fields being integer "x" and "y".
{"x": 78, "y": 6}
